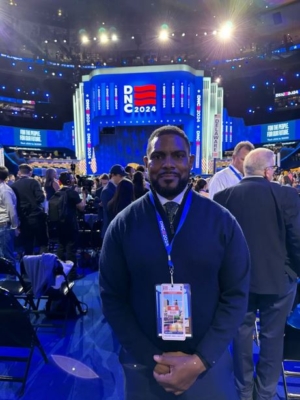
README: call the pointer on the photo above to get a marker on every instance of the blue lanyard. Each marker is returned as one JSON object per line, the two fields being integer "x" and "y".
{"x": 163, "y": 232}
{"x": 235, "y": 173}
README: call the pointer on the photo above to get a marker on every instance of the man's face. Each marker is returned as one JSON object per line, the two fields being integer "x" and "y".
{"x": 239, "y": 158}
{"x": 104, "y": 182}
{"x": 118, "y": 178}
{"x": 169, "y": 165}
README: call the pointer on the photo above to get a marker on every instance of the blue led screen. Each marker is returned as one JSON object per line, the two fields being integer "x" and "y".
{"x": 38, "y": 138}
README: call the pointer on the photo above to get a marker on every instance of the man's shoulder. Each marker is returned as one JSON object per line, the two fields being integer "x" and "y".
{"x": 110, "y": 187}
{"x": 222, "y": 173}
{"x": 208, "y": 206}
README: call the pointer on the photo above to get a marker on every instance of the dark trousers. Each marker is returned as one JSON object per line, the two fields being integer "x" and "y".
{"x": 273, "y": 312}
{"x": 34, "y": 232}
{"x": 67, "y": 243}
{"x": 215, "y": 384}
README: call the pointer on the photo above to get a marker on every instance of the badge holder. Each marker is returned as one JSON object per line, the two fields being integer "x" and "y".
{"x": 173, "y": 308}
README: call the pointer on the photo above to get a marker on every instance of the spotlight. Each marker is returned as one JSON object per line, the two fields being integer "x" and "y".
{"x": 114, "y": 37}
{"x": 84, "y": 39}
{"x": 214, "y": 32}
{"x": 103, "y": 38}
{"x": 183, "y": 34}
{"x": 163, "y": 35}
{"x": 218, "y": 80}
{"x": 226, "y": 30}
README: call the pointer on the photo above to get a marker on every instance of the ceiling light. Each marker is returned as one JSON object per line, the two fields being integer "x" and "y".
{"x": 103, "y": 38}
{"x": 163, "y": 35}
{"x": 84, "y": 39}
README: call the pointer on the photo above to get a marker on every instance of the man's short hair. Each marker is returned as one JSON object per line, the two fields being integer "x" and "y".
{"x": 3, "y": 173}
{"x": 247, "y": 145}
{"x": 141, "y": 168}
{"x": 104, "y": 176}
{"x": 128, "y": 169}
{"x": 65, "y": 178}
{"x": 257, "y": 161}
{"x": 25, "y": 169}
{"x": 168, "y": 130}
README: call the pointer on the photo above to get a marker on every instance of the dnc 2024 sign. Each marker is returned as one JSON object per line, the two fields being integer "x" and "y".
{"x": 140, "y": 99}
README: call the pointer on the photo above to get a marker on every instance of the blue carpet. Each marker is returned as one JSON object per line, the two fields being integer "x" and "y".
{"x": 84, "y": 363}
{"x": 89, "y": 341}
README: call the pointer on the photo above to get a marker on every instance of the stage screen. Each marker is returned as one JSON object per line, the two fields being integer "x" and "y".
{"x": 287, "y": 100}
{"x": 17, "y": 107}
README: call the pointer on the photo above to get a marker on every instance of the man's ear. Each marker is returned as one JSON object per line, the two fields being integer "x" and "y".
{"x": 192, "y": 160}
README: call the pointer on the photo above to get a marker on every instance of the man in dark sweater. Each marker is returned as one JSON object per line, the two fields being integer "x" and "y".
{"x": 209, "y": 253}
{"x": 33, "y": 224}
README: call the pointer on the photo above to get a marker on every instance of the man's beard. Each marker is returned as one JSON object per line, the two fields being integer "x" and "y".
{"x": 169, "y": 192}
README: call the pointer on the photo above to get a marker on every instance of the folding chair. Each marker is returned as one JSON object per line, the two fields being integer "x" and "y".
{"x": 48, "y": 276}
{"x": 291, "y": 360}
{"x": 18, "y": 287}
{"x": 16, "y": 332}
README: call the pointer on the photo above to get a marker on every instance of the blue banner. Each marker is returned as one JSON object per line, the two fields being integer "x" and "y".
{"x": 38, "y": 138}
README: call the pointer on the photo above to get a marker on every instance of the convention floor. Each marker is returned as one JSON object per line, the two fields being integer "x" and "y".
{"x": 84, "y": 363}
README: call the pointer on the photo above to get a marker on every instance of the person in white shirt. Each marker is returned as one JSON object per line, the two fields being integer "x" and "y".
{"x": 9, "y": 220}
{"x": 231, "y": 175}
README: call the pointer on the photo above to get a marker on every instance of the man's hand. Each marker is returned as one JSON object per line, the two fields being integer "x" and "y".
{"x": 161, "y": 369}
{"x": 17, "y": 232}
{"x": 165, "y": 369}
{"x": 184, "y": 370}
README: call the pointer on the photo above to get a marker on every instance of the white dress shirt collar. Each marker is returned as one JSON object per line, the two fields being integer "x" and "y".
{"x": 177, "y": 199}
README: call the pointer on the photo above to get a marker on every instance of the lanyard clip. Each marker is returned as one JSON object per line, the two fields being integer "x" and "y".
{"x": 172, "y": 273}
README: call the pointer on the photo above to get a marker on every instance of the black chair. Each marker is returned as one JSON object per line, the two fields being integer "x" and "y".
{"x": 62, "y": 293}
{"x": 17, "y": 286}
{"x": 16, "y": 332}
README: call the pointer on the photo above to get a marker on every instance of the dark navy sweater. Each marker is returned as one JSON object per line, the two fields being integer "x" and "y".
{"x": 210, "y": 253}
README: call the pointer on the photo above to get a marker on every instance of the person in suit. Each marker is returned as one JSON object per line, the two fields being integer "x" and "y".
{"x": 116, "y": 174}
{"x": 33, "y": 224}
{"x": 232, "y": 174}
{"x": 269, "y": 215}
{"x": 103, "y": 179}
{"x": 211, "y": 256}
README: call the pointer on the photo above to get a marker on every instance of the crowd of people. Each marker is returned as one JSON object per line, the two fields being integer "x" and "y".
{"x": 160, "y": 228}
